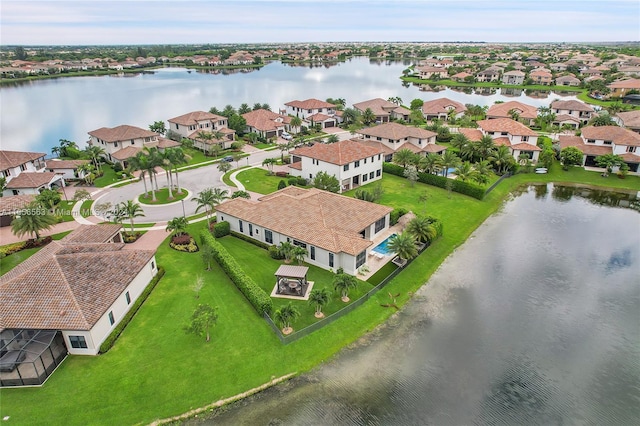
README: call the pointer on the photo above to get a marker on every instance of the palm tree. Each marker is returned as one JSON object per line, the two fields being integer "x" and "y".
{"x": 214, "y": 150}
{"x": 501, "y": 159}
{"x": 483, "y": 171}
{"x": 219, "y": 195}
{"x": 253, "y": 138}
{"x": 319, "y": 297}
{"x": 205, "y": 138}
{"x": 430, "y": 163}
{"x": 286, "y": 249}
{"x": 449, "y": 159}
{"x": 178, "y": 224}
{"x": 403, "y": 245}
{"x": 206, "y": 199}
{"x": 299, "y": 253}
{"x": 296, "y": 122}
{"x": 94, "y": 153}
{"x": 224, "y": 167}
{"x": 403, "y": 157}
{"x": 485, "y": 147}
{"x": 422, "y": 229}
{"x": 333, "y": 138}
{"x": 514, "y": 114}
{"x": 166, "y": 162}
{"x": 285, "y": 316}
{"x": 139, "y": 162}
{"x": 56, "y": 150}
{"x": 344, "y": 283}
{"x": 350, "y": 116}
{"x": 465, "y": 172}
{"x": 131, "y": 210}
{"x": 32, "y": 219}
{"x": 368, "y": 117}
{"x": 269, "y": 162}
{"x": 459, "y": 140}
{"x": 178, "y": 158}
{"x": 153, "y": 161}
{"x": 244, "y": 108}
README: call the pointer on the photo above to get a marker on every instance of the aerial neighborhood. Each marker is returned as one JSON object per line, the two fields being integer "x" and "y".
{"x": 315, "y": 204}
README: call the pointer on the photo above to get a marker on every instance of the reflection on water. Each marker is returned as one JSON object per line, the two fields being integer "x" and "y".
{"x": 534, "y": 320}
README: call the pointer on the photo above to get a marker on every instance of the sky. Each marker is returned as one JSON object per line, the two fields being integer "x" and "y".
{"x": 97, "y": 22}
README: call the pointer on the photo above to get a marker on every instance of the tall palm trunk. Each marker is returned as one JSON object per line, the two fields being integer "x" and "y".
{"x": 178, "y": 182}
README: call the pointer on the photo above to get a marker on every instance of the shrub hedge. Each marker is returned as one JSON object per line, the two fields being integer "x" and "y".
{"x": 396, "y": 214}
{"x": 111, "y": 340}
{"x": 258, "y": 298}
{"x": 221, "y": 229}
{"x": 465, "y": 188}
{"x": 275, "y": 252}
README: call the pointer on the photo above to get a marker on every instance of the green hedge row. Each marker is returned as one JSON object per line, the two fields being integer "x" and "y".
{"x": 221, "y": 229}
{"x": 465, "y": 188}
{"x": 111, "y": 340}
{"x": 253, "y": 241}
{"x": 256, "y": 296}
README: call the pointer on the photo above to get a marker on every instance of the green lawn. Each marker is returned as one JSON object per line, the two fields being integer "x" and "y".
{"x": 108, "y": 177}
{"x": 155, "y": 370}
{"x": 65, "y": 207}
{"x": 259, "y": 180}
{"x": 162, "y": 197}
{"x": 85, "y": 209}
{"x": 261, "y": 267}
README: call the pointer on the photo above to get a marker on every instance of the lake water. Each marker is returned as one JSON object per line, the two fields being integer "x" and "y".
{"x": 36, "y": 115}
{"x": 534, "y": 320}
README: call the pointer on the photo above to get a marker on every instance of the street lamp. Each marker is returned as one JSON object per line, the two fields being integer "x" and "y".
{"x": 184, "y": 215}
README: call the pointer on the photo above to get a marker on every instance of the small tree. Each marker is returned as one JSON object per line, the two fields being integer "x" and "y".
{"x": 326, "y": 182}
{"x": 178, "y": 224}
{"x": 411, "y": 173}
{"x": 203, "y": 318}
{"x": 224, "y": 167}
{"x": 344, "y": 283}
{"x": 282, "y": 184}
{"x": 299, "y": 253}
{"x": 333, "y": 139}
{"x": 130, "y": 211}
{"x": 570, "y": 156}
{"x": 319, "y": 297}
{"x": 286, "y": 249}
{"x": 285, "y": 316}
{"x": 416, "y": 104}
{"x": 609, "y": 161}
{"x": 207, "y": 254}
{"x": 197, "y": 286}
{"x": 81, "y": 194}
{"x": 403, "y": 245}
{"x": 49, "y": 198}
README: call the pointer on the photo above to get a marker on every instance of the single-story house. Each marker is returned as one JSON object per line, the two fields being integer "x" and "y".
{"x": 336, "y": 231}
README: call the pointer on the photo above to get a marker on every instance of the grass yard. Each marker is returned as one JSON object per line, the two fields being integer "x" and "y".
{"x": 85, "y": 208}
{"x": 162, "y": 197}
{"x": 257, "y": 179}
{"x": 65, "y": 207}
{"x": 155, "y": 370}
{"x": 261, "y": 268}
{"x": 108, "y": 177}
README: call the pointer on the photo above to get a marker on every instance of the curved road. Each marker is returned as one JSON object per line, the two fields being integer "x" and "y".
{"x": 194, "y": 180}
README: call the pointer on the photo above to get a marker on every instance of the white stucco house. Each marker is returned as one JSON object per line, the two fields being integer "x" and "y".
{"x": 519, "y": 138}
{"x": 395, "y": 136}
{"x": 80, "y": 287}
{"x": 351, "y": 162}
{"x": 336, "y": 231}
{"x": 266, "y": 123}
{"x": 602, "y": 140}
{"x": 309, "y": 107}
{"x": 25, "y": 173}
{"x": 442, "y": 108}
{"x": 191, "y": 124}
{"x": 576, "y": 109}
{"x": 383, "y": 110}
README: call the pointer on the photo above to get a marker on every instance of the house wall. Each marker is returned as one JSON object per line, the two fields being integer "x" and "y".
{"x": 30, "y": 166}
{"x": 395, "y": 144}
{"x": 66, "y": 173}
{"x": 101, "y": 330}
{"x": 111, "y": 147}
{"x": 366, "y": 166}
{"x": 304, "y": 113}
{"x": 584, "y": 116}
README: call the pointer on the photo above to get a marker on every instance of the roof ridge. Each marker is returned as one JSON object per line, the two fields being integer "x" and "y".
{"x": 71, "y": 293}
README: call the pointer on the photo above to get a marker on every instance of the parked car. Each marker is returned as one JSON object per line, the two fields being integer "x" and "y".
{"x": 228, "y": 159}
{"x": 286, "y": 136}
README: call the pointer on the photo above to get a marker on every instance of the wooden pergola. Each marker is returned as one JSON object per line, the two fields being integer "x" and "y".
{"x": 291, "y": 280}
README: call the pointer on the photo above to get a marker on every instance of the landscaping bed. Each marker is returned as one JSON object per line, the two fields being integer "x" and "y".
{"x": 162, "y": 197}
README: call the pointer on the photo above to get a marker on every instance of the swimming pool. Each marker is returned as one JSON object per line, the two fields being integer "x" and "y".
{"x": 382, "y": 247}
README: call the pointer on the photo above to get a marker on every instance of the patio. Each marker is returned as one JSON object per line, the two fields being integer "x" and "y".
{"x": 291, "y": 283}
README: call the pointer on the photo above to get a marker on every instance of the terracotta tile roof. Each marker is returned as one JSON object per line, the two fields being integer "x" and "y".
{"x": 502, "y": 110}
{"x": 379, "y": 106}
{"x": 9, "y": 159}
{"x": 163, "y": 143}
{"x": 432, "y": 147}
{"x": 121, "y": 133}
{"x": 263, "y": 120}
{"x": 568, "y": 140}
{"x": 296, "y": 166}
{"x": 411, "y": 147}
{"x": 461, "y": 75}
{"x": 442, "y": 105}
{"x": 194, "y": 117}
{"x": 630, "y": 157}
{"x": 631, "y": 83}
{"x": 618, "y": 135}
{"x": 323, "y": 219}
{"x": 565, "y": 117}
{"x": 506, "y": 125}
{"x": 310, "y": 104}
{"x": 340, "y": 153}
{"x": 523, "y": 146}
{"x": 92, "y": 234}
{"x": 13, "y": 203}
{"x": 630, "y": 118}
{"x": 317, "y": 117}
{"x": 502, "y": 141}
{"x": 64, "y": 164}
{"x": 571, "y": 105}
{"x": 473, "y": 135}
{"x": 378, "y": 145}
{"x": 31, "y": 180}
{"x": 125, "y": 153}
{"x": 67, "y": 286}
{"x": 395, "y": 131}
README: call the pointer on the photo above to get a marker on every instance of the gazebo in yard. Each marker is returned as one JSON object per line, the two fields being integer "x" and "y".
{"x": 292, "y": 280}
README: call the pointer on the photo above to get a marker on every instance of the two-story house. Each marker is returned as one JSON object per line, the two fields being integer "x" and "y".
{"x": 629, "y": 119}
{"x": 442, "y": 109}
{"x": 266, "y": 123}
{"x": 490, "y": 74}
{"x": 519, "y": 138}
{"x": 309, "y": 107}
{"x": 602, "y": 140}
{"x": 396, "y": 136}
{"x": 573, "y": 108}
{"x": 383, "y": 110}
{"x": 194, "y": 124}
{"x": 541, "y": 76}
{"x": 429, "y": 72}
{"x": 523, "y": 112}
{"x": 350, "y": 161}
{"x": 25, "y": 173}
{"x": 622, "y": 87}
{"x": 336, "y": 231}
{"x": 123, "y": 142}
{"x": 568, "y": 80}
{"x": 513, "y": 77}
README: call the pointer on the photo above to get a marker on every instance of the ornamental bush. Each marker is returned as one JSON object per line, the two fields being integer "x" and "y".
{"x": 258, "y": 298}
{"x": 221, "y": 229}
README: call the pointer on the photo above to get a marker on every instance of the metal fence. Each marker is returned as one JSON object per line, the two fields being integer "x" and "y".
{"x": 286, "y": 339}
{"x": 504, "y": 176}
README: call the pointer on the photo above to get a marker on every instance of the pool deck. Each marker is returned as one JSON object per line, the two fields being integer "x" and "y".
{"x": 376, "y": 261}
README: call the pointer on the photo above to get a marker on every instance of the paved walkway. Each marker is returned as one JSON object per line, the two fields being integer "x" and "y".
{"x": 151, "y": 240}
{"x": 7, "y": 237}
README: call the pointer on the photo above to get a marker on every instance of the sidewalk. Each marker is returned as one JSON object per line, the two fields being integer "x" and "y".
{"x": 7, "y": 237}
{"x": 151, "y": 240}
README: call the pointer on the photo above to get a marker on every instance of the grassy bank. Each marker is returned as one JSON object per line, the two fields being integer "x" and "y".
{"x": 155, "y": 370}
